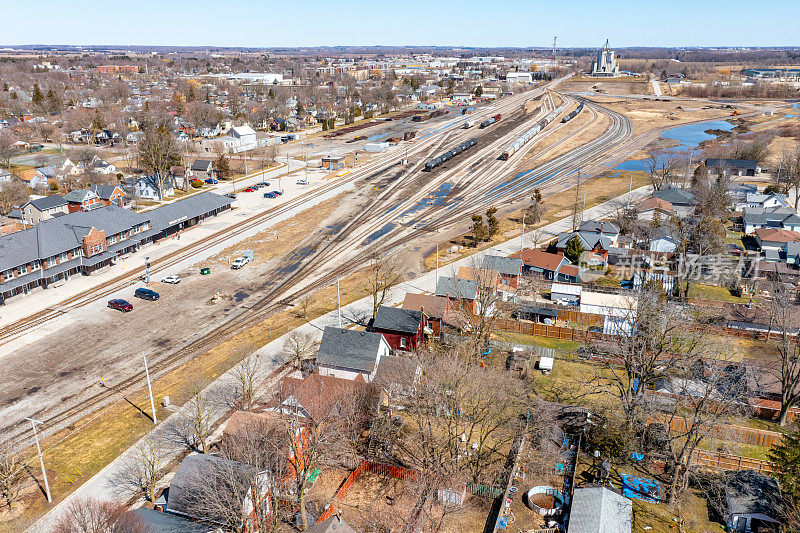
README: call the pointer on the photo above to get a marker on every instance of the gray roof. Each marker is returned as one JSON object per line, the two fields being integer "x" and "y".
{"x": 760, "y": 216}
{"x": 103, "y": 191}
{"x": 599, "y": 510}
{"x": 750, "y": 492}
{"x": 349, "y": 348}
{"x": 465, "y": 289}
{"x": 201, "y": 165}
{"x": 589, "y": 240}
{"x": 61, "y": 234}
{"x": 397, "y": 319}
{"x": 47, "y": 202}
{"x": 77, "y": 195}
{"x": 194, "y": 477}
{"x": 190, "y": 207}
{"x": 334, "y": 524}
{"x": 732, "y": 163}
{"x": 597, "y": 226}
{"x": 661, "y": 232}
{"x": 678, "y": 197}
{"x": 792, "y": 249}
{"x": 169, "y": 523}
{"x": 508, "y": 266}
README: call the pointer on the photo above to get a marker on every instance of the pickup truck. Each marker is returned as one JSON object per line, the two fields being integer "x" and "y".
{"x": 239, "y": 262}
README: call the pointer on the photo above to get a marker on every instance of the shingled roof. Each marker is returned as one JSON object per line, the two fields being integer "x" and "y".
{"x": 350, "y": 349}
{"x": 397, "y": 319}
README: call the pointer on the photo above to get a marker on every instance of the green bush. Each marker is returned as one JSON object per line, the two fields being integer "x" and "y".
{"x": 197, "y": 184}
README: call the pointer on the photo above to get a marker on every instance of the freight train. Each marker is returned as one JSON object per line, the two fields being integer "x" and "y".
{"x": 436, "y": 161}
{"x": 573, "y": 114}
{"x": 528, "y": 135}
{"x": 490, "y": 121}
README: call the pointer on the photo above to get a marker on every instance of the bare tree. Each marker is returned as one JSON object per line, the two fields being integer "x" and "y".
{"x": 96, "y": 516}
{"x": 661, "y": 168}
{"x": 304, "y": 306}
{"x": 788, "y": 173}
{"x": 11, "y": 472}
{"x": 380, "y": 277}
{"x": 198, "y": 419}
{"x": 13, "y": 194}
{"x": 784, "y": 318}
{"x": 7, "y": 149}
{"x": 298, "y": 348}
{"x": 158, "y": 151}
{"x": 141, "y": 471}
{"x": 247, "y": 374}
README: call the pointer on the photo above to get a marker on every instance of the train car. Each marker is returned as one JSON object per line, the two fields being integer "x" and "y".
{"x": 407, "y": 136}
{"x": 530, "y": 134}
{"x": 573, "y": 114}
{"x": 436, "y": 161}
{"x": 468, "y": 124}
{"x": 491, "y": 120}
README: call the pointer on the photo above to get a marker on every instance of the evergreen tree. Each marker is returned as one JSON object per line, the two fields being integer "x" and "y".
{"x": 271, "y": 93}
{"x": 222, "y": 166}
{"x": 331, "y": 123}
{"x": 785, "y": 457}
{"x": 478, "y": 91}
{"x": 492, "y": 222}
{"x": 479, "y": 232}
{"x": 37, "y": 98}
{"x": 574, "y": 249}
{"x": 5, "y": 87}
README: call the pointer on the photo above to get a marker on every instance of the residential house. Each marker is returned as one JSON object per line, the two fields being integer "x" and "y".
{"x": 553, "y": 267}
{"x": 599, "y": 510}
{"x": 42, "y": 208}
{"x": 316, "y": 397}
{"x": 111, "y": 195}
{"x": 346, "y": 353}
{"x": 398, "y": 376}
{"x": 754, "y": 502}
{"x": 5, "y": 176}
{"x": 134, "y": 137}
{"x": 509, "y": 268}
{"x": 162, "y": 522}
{"x": 654, "y": 209}
{"x": 82, "y": 200}
{"x": 596, "y": 238}
{"x": 177, "y": 174}
{"x": 732, "y": 167}
{"x": 602, "y": 303}
{"x": 773, "y": 242}
{"x": 194, "y": 481}
{"x": 754, "y": 218}
{"x": 33, "y": 178}
{"x": 403, "y": 329}
{"x": 439, "y": 313}
{"x": 683, "y": 201}
{"x": 147, "y": 187}
{"x": 488, "y": 282}
{"x": 662, "y": 241}
{"x": 463, "y": 294}
{"x": 202, "y": 169}
{"x": 763, "y": 201}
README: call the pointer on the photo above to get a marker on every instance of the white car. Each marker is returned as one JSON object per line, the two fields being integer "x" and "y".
{"x": 239, "y": 263}
{"x": 302, "y": 181}
{"x": 173, "y": 279}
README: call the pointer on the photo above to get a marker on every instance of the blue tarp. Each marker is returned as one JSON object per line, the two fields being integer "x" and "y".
{"x": 648, "y": 490}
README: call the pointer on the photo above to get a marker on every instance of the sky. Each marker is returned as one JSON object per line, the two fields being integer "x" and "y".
{"x": 292, "y": 23}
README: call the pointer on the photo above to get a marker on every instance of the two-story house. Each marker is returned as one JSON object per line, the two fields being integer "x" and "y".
{"x": 111, "y": 195}
{"x": 347, "y": 353}
{"x": 82, "y": 200}
{"x": 42, "y": 208}
{"x": 403, "y": 329}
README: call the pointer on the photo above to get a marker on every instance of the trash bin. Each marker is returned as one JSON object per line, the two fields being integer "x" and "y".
{"x": 204, "y": 271}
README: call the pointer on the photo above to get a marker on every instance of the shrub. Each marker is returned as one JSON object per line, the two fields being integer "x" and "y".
{"x": 197, "y": 184}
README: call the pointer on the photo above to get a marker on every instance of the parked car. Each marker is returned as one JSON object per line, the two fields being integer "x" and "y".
{"x": 174, "y": 279}
{"x": 231, "y": 196}
{"x": 277, "y": 193}
{"x": 146, "y": 294}
{"x": 120, "y": 305}
{"x": 239, "y": 262}
{"x": 263, "y": 184}
{"x": 250, "y": 189}
{"x": 270, "y": 195}
{"x": 302, "y": 181}
{"x": 211, "y": 181}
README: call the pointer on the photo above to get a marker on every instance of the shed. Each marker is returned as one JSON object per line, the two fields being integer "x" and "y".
{"x": 754, "y": 502}
{"x": 599, "y": 510}
{"x": 332, "y": 162}
{"x": 567, "y": 292}
{"x": 537, "y": 314}
{"x": 601, "y": 303}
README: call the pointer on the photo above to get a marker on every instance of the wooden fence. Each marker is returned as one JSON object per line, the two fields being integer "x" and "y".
{"x": 739, "y": 434}
{"x": 725, "y": 461}
{"x": 543, "y": 330}
{"x": 396, "y": 472}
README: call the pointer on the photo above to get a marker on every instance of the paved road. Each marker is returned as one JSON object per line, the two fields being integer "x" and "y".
{"x": 107, "y": 483}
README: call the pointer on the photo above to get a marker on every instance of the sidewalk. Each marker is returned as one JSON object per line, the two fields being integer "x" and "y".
{"x": 106, "y": 483}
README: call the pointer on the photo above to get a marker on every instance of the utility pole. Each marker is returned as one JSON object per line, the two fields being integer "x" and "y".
{"x": 149, "y": 388}
{"x": 437, "y": 263}
{"x": 338, "y": 305}
{"x": 41, "y": 459}
{"x": 245, "y": 163}
{"x": 147, "y": 270}
{"x": 522, "y": 237}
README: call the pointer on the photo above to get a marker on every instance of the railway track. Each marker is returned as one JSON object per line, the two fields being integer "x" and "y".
{"x": 280, "y": 287}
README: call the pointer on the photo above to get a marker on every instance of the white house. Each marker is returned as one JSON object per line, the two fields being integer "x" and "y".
{"x": 662, "y": 241}
{"x": 601, "y": 303}
{"x": 347, "y": 353}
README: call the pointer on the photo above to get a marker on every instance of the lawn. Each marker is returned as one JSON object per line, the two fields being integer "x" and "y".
{"x": 714, "y": 292}
{"x": 522, "y": 338}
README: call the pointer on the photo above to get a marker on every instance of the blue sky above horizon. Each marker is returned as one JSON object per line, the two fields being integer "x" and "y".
{"x": 281, "y": 23}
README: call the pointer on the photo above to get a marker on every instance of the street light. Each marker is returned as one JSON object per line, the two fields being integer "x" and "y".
{"x": 147, "y": 270}
{"x": 41, "y": 460}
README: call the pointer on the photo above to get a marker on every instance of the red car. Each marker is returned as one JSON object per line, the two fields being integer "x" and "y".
{"x": 120, "y": 305}
{"x": 250, "y": 189}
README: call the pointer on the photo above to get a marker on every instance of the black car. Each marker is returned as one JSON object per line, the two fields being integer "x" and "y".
{"x": 146, "y": 294}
